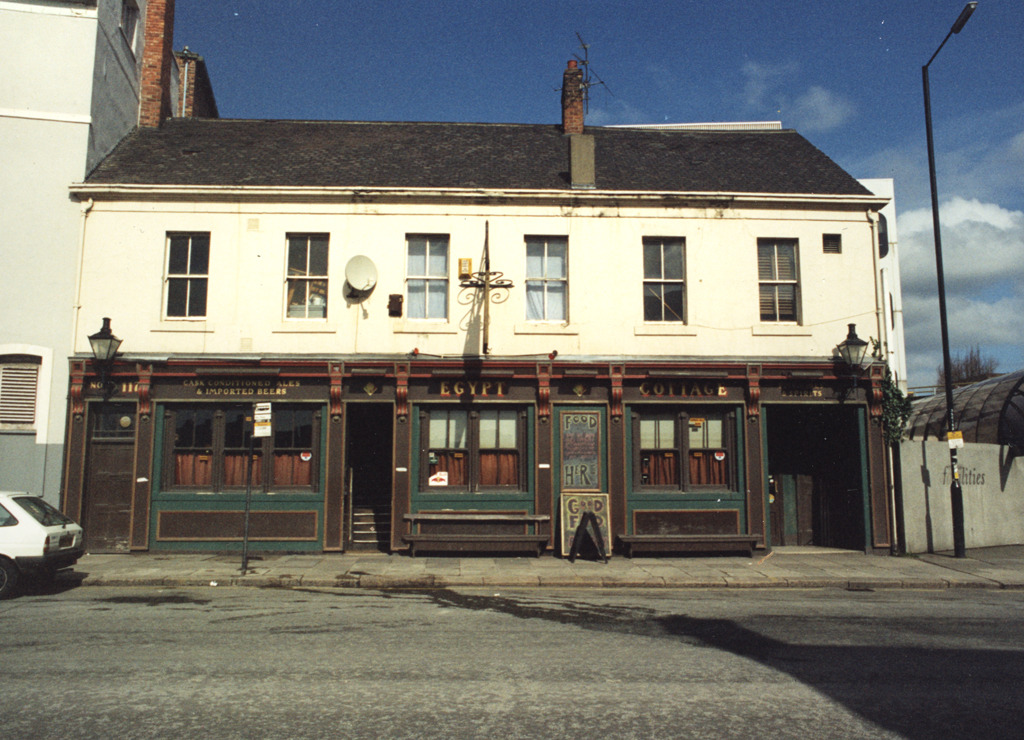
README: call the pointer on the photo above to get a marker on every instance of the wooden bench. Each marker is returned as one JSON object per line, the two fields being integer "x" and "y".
{"x": 461, "y": 540}
{"x": 676, "y": 543}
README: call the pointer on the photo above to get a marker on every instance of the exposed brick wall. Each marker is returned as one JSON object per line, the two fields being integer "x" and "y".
{"x": 157, "y": 59}
{"x": 572, "y": 99}
{"x": 188, "y": 84}
{"x": 197, "y": 91}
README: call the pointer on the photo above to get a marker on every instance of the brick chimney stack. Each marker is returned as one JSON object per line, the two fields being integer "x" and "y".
{"x": 157, "y": 58}
{"x": 572, "y": 99}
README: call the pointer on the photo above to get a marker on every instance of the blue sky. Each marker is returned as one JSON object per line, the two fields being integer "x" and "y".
{"x": 845, "y": 75}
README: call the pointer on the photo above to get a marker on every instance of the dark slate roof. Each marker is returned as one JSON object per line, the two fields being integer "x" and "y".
{"x": 462, "y": 155}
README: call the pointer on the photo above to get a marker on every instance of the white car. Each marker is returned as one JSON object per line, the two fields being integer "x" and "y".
{"x": 35, "y": 540}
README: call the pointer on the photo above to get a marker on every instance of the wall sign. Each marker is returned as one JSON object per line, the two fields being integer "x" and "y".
{"x": 240, "y": 386}
{"x": 580, "y": 442}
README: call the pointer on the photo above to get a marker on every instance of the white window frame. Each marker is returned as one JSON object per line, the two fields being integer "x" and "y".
{"x": 768, "y": 274}
{"x": 308, "y": 279}
{"x": 433, "y": 277}
{"x": 188, "y": 276}
{"x": 547, "y": 280}
{"x": 654, "y": 287}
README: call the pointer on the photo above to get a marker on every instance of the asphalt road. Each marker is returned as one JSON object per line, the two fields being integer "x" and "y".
{"x": 262, "y": 663}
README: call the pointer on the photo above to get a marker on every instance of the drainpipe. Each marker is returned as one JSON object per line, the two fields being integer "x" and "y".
{"x": 184, "y": 89}
{"x": 84, "y": 208}
{"x": 187, "y": 55}
{"x": 883, "y": 338}
{"x": 883, "y": 334}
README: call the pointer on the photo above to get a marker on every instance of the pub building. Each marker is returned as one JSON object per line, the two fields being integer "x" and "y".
{"x": 468, "y": 334}
{"x": 680, "y": 449}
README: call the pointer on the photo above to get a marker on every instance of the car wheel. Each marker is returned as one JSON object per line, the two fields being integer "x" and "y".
{"x": 8, "y": 578}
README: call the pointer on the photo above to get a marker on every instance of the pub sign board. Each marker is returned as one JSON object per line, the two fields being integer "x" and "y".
{"x": 574, "y": 506}
{"x": 580, "y": 448}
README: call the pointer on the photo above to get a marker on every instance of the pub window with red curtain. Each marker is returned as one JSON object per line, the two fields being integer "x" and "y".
{"x": 207, "y": 448}
{"x": 471, "y": 451}
{"x": 683, "y": 450}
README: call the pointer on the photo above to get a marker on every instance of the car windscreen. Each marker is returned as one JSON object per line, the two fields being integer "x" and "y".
{"x": 42, "y": 512}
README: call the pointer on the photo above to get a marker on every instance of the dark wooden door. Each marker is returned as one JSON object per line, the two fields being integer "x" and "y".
{"x": 107, "y": 504}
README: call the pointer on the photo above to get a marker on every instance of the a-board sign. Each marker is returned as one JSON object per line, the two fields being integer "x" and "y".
{"x": 580, "y": 446}
{"x": 574, "y": 506}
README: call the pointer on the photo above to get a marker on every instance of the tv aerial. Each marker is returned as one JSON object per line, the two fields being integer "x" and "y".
{"x": 590, "y": 77}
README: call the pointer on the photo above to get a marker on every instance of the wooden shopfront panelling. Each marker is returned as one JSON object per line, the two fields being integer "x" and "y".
{"x": 697, "y": 511}
{"x": 282, "y": 517}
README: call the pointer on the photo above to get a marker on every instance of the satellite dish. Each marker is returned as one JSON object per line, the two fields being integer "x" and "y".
{"x": 361, "y": 273}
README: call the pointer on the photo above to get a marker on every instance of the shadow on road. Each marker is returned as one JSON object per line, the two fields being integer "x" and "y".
{"x": 920, "y": 693}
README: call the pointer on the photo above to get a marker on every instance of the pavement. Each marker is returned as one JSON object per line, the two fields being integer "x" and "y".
{"x": 783, "y": 567}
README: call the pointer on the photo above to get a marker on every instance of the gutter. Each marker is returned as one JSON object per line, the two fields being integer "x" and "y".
{"x": 363, "y": 194}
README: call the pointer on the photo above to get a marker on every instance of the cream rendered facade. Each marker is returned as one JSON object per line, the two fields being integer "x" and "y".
{"x": 365, "y": 374}
{"x": 69, "y": 93}
{"x": 125, "y": 250}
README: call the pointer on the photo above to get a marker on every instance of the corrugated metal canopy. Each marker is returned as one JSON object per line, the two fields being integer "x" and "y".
{"x": 989, "y": 412}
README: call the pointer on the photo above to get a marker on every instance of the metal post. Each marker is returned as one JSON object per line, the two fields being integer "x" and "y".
{"x": 248, "y": 495}
{"x": 487, "y": 287}
{"x": 956, "y": 495}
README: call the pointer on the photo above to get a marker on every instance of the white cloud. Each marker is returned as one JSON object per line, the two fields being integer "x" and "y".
{"x": 992, "y": 327}
{"x": 982, "y": 246}
{"x": 958, "y": 211}
{"x": 821, "y": 110}
{"x": 815, "y": 110}
{"x": 983, "y": 264}
{"x": 979, "y": 157}
{"x": 762, "y": 81}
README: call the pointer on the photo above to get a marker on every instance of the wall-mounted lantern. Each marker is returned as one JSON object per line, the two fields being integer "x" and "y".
{"x": 104, "y": 350}
{"x": 853, "y": 350}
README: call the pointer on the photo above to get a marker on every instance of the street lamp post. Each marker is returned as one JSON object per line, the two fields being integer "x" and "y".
{"x": 955, "y": 491}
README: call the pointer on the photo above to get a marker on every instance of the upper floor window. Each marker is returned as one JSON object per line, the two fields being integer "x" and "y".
{"x": 19, "y": 385}
{"x": 307, "y": 276}
{"x": 427, "y": 276}
{"x": 188, "y": 270}
{"x": 683, "y": 450}
{"x": 470, "y": 451}
{"x": 129, "y": 22}
{"x": 547, "y": 278}
{"x": 777, "y": 276}
{"x": 664, "y": 274}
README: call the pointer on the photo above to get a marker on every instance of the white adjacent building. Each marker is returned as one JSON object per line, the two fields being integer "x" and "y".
{"x": 72, "y": 88}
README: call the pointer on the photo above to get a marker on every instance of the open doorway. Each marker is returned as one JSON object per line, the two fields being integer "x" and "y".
{"x": 816, "y": 476}
{"x": 368, "y": 475}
